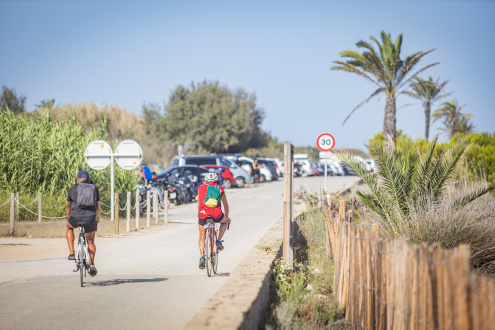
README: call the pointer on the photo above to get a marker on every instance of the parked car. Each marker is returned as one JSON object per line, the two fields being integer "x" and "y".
{"x": 228, "y": 177}
{"x": 265, "y": 173}
{"x": 372, "y": 164}
{"x": 271, "y": 165}
{"x": 240, "y": 175}
{"x": 280, "y": 166}
{"x": 307, "y": 168}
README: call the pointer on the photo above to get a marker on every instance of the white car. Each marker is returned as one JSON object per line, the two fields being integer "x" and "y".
{"x": 280, "y": 166}
{"x": 306, "y": 167}
{"x": 265, "y": 174}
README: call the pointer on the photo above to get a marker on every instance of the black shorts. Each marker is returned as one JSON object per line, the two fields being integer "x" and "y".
{"x": 202, "y": 222}
{"x": 88, "y": 223}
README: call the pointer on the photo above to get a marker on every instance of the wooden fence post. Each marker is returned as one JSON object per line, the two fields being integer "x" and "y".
{"x": 40, "y": 207}
{"x": 128, "y": 219}
{"x": 166, "y": 205}
{"x": 116, "y": 213}
{"x": 18, "y": 210}
{"x": 342, "y": 209}
{"x": 138, "y": 209}
{"x": 12, "y": 214}
{"x": 148, "y": 209}
{"x": 461, "y": 277}
{"x": 155, "y": 206}
{"x": 288, "y": 195}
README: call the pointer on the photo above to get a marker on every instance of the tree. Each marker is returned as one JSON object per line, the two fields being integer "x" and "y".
{"x": 451, "y": 114}
{"x": 47, "y": 104}
{"x": 464, "y": 126}
{"x": 386, "y": 70}
{"x": 9, "y": 100}
{"x": 428, "y": 92}
{"x": 209, "y": 118}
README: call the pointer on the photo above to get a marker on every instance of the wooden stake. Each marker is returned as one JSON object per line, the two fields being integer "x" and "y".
{"x": 116, "y": 213}
{"x": 128, "y": 218}
{"x": 40, "y": 207}
{"x": 138, "y": 209}
{"x": 12, "y": 214}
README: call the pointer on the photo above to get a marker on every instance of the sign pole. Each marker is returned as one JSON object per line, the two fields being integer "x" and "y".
{"x": 326, "y": 176}
{"x": 112, "y": 191}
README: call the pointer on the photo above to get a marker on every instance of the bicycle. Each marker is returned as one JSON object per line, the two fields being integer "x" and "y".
{"x": 82, "y": 255}
{"x": 211, "y": 250}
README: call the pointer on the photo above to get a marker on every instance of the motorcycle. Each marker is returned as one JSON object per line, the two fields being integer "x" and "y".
{"x": 142, "y": 190}
{"x": 177, "y": 191}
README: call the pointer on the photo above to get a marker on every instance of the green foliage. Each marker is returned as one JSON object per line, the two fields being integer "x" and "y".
{"x": 39, "y": 155}
{"x": 9, "y": 101}
{"x": 480, "y": 158}
{"x": 411, "y": 181}
{"x": 208, "y": 118}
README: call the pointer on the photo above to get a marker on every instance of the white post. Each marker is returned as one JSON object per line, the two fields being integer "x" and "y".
{"x": 155, "y": 206}
{"x": 326, "y": 176}
{"x": 148, "y": 209}
{"x": 138, "y": 209}
{"x": 128, "y": 220}
{"x": 166, "y": 205}
{"x": 112, "y": 191}
{"x": 12, "y": 214}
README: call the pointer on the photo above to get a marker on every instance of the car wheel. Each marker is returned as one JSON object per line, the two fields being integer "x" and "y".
{"x": 262, "y": 178}
{"x": 239, "y": 182}
{"x": 227, "y": 184}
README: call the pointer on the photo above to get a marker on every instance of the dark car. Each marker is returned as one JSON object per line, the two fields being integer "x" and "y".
{"x": 271, "y": 165}
{"x": 179, "y": 171}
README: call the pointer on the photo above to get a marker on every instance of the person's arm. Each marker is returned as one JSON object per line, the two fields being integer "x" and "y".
{"x": 68, "y": 208}
{"x": 97, "y": 205}
{"x": 225, "y": 207}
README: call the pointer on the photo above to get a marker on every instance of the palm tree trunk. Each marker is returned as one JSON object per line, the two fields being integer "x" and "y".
{"x": 427, "y": 119}
{"x": 389, "y": 124}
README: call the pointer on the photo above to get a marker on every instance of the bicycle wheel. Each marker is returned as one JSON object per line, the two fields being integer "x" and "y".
{"x": 81, "y": 263}
{"x": 215, "y": 255}
{"x": 207, "y": 254}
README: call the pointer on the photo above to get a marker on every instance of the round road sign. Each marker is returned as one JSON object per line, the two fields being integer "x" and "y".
{"x": 98, "y": 154}
{"x": 128, "y": 154}
{"x": 325, "y": 142}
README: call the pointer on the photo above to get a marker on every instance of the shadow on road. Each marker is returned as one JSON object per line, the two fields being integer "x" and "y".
{"x": 222, "y": 274}
{"x": 125, "y": 281}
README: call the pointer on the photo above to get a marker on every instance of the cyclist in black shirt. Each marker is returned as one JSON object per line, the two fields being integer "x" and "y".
{"x": 83, "y": 211}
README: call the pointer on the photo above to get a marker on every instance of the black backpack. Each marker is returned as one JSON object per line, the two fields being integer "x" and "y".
{"x": 86, "y": 195}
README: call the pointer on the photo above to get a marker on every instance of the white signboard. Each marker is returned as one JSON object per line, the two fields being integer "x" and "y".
{"x": 326, "y": 155}
{"x": 128, "y": 154}
{"x": 98, "y": 154}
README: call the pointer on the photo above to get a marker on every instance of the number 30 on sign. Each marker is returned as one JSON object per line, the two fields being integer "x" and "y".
{"x": 325, "y": 142}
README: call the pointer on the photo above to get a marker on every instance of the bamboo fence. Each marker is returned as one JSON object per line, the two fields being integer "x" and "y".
{"x": 394, "y": 284}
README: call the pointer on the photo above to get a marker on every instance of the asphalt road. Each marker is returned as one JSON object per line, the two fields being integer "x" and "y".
{"x": 146, "y": 280}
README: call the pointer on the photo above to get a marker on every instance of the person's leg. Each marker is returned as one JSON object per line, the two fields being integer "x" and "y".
{"x": 201, "y": 241}
{"x": 223, "y": 228}
{"x": 70, "y": 237}
{"x": 90, "y": 239}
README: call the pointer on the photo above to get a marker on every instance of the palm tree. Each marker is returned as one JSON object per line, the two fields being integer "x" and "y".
{"x": 464, "y": 126}
{"x": 387, "y": 71}
{"x": 451, "y": 113}
{"x": 409, "y": 181}
{"x": 427, "y": 92}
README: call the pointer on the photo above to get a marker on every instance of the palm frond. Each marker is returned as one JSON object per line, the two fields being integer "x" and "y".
{"x": 375, "y": 93}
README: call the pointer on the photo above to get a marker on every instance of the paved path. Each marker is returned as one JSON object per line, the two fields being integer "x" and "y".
{"x": 146, "y": 280}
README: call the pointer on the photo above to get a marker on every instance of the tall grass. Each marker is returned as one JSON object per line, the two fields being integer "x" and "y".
{"x": 39, "y": 155}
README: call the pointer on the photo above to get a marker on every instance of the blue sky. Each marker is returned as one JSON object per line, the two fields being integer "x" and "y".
{"x": 128, "y": 53}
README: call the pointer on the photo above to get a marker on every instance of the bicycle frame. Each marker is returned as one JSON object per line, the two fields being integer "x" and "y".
{"x": 211, "y": 236}
{"x": 82, "y": 254}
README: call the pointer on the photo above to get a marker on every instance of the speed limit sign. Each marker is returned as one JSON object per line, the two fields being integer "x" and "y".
{"x": 325, "y": 142}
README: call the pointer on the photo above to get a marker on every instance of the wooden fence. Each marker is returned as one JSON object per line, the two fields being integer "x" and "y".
{"x": 394, "y": 284}
{"x": 15, "y": 206}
